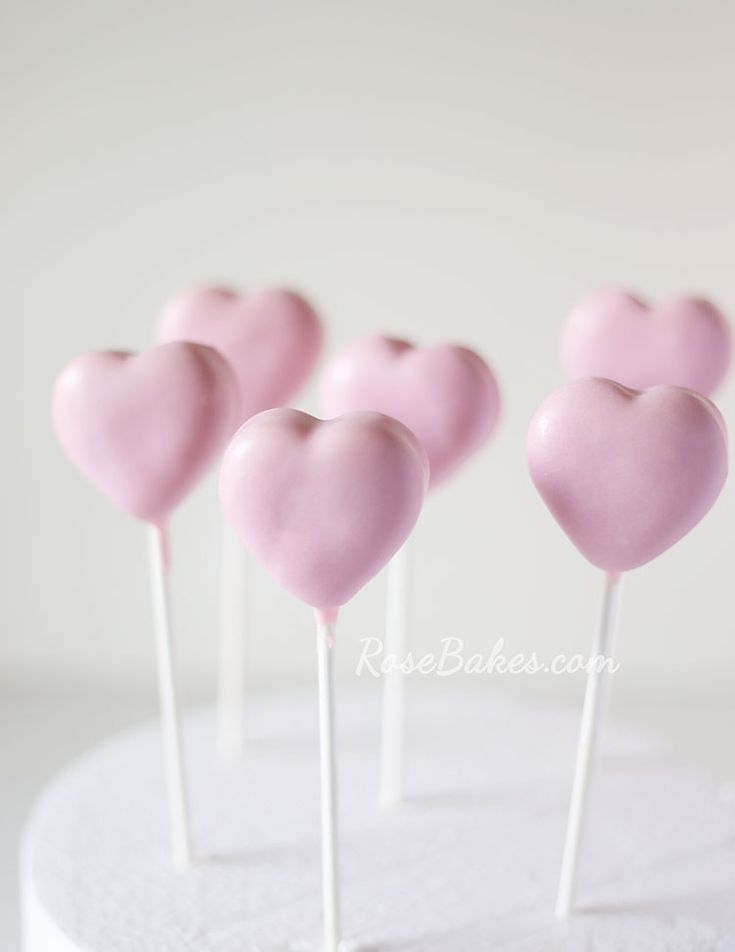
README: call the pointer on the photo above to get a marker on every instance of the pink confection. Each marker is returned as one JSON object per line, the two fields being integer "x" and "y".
{"x": 271, "y": 338}
{"x": 626, "y": 474}
{"x": 685, "y": 342}
{"x": 323, "y": 505}
{"x": 143, "y": 428}
{"x": 446, "y": 395}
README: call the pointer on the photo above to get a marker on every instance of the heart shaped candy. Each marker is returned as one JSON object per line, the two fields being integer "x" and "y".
{"x": 446, "y": 395}
{"x": 272, "y": 339}
{"x": 684, "y": 342}
{"x": 626, "y": 474}
{"x": 143, "y": 428}
{"x": 323, "y": 505}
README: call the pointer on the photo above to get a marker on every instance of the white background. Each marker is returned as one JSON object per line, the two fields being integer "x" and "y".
{"x": 459, "y": 171}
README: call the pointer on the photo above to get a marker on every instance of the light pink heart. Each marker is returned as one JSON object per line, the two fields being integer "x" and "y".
{"x": 323, "y": 505}
{"x": 684, "y": 342}
{"x": 271, "y": 338}
{"x": 144, "y": 428}
{"x": 626, "y": 474}
{"x": 446, "y": 395}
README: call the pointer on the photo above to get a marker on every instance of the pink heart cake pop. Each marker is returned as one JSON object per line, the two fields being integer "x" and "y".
{"x": 446, "y": 395}
{"x": 626, "y": 474}
{"x": 144, "y": 428}
{"x": 323, "y": 504}
{"x": 685, "y": 342}
{"x": 271, "y": 338}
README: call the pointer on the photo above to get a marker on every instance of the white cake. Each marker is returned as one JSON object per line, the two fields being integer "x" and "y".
{"x": 470, "y": 863}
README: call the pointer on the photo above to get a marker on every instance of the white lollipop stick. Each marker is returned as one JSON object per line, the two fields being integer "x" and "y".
{"x": 328, "y": 775}
{"x": 590, "y": 730}
{"x": 170, "y": 716}
{"x": 233, "y": 635}
{"x": 394, "y": 682}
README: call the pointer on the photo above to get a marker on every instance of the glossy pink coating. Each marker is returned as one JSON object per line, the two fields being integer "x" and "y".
{"x": 685, "y": 342}
{"x": 272, "y": 339}
{"x": 323, "y": 505}
{"x": 447, "y": 395}
{"x": 144, "y": 428}
{"x": 626, "y": 474}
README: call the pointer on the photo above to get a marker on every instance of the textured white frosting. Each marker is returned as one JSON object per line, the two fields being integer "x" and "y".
{"x": 470, "y": 863}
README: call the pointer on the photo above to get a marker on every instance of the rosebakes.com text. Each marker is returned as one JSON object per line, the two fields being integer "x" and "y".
{"x": 451, "y": 660}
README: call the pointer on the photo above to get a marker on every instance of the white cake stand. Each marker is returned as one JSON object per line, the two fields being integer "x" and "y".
{"x": 470, "y": 863}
